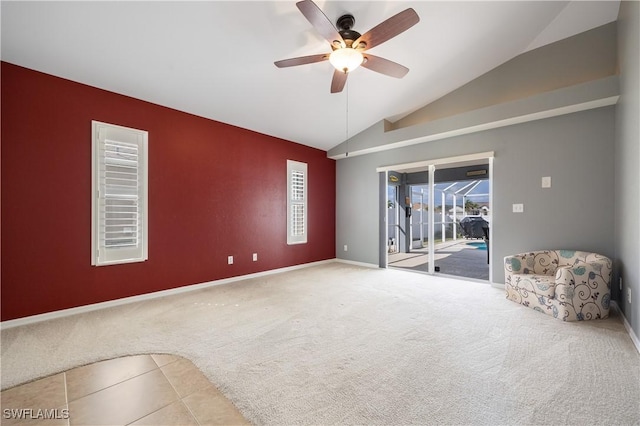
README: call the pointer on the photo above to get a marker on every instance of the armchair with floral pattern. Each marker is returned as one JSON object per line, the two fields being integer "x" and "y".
{"x": 567, "y": 284}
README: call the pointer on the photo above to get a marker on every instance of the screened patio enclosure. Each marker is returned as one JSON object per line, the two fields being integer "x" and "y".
{"x": 450, "y": 217}
{"x": 453, "y": 201}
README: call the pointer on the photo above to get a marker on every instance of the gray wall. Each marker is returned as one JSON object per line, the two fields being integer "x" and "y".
{"x": 627, "y": 174}
{"x": 593, "y": 158}
{"x": 576, "y": 150}
{"x": 584, "y": 57}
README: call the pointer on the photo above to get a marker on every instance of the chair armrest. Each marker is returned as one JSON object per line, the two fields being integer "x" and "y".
{"x": 514, "y": 264}
{"x": 541, "y": 262}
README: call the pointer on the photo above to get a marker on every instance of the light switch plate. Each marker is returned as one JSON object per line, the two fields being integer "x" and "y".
{"x": 546, "y": 182}
{"x": 518, "y": 208}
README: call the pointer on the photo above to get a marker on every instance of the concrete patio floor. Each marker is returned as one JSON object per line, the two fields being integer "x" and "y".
{"x": 463, "y": 258}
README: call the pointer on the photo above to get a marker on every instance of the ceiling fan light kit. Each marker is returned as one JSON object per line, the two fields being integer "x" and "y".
{"x": 348, "y": 45}
{"x": 346, "y": 59}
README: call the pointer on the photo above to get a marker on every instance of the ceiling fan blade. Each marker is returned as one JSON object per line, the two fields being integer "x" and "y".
{"x": 384, "y": 66}
{"x": 301, "y": 60}
{"x": 390, "y": 28}
{"x": 338, "y": 81}
{"x": 319, "y": 20}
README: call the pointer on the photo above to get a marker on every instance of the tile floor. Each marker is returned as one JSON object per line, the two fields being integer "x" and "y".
{"x": 133, "y": 390}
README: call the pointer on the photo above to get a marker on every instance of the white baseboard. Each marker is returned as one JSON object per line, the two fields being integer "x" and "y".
{"x": 633, "y": 336}
{"x": 353, "y": 262}
{"x": 148, "y": 296}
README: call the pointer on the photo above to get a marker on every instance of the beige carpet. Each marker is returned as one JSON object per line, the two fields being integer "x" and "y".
{"x": 339, "y": 344}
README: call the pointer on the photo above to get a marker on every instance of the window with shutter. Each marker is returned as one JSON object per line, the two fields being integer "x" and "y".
{"x": 119, "y": 187}
{"x": 296, "y": 202}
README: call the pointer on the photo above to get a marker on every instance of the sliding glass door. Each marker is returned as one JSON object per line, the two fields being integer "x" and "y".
{"x": 438, "y": 218}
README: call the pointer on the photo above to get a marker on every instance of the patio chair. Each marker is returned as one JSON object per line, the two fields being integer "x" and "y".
{"x": 569, "y": 285}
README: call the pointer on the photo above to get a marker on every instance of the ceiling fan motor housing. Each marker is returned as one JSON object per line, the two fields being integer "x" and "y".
{"x": 344, "y": 24}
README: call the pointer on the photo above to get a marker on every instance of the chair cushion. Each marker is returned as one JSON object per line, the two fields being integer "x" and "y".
{"x": 542, "y": 285}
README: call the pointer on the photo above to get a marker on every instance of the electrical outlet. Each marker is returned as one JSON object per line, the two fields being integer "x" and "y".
{"x": 230, "y": 260}
{"x": 546, "y": 182}
{"x": 628, "y": 294}
{"x": 345, "y": 248}
{"x": 255, "y": 257}
{"x": 518, "y": 208}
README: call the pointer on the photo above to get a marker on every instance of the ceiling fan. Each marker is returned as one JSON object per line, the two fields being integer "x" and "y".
{"x": 349, "y": 46}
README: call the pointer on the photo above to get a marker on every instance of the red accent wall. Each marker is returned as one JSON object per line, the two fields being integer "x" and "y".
{"x": 214, "y": 190}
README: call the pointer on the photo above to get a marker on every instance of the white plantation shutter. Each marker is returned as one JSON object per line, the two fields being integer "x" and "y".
{"x": 296, "y": 202}
{"x": 119, "y": 208}
{"x": 120, "y": 219}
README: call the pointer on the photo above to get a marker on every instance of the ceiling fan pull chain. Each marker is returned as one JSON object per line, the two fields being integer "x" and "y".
{"x": 347, "y": 121}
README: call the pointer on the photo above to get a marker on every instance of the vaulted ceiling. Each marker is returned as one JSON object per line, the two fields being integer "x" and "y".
{"x": 216, "y": 59}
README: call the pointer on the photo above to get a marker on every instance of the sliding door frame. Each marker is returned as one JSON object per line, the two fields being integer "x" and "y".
{"x": 431, "y": 166}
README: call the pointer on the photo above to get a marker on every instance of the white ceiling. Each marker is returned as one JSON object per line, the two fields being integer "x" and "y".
{"x": 215, "y": 59}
